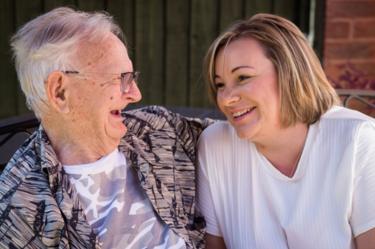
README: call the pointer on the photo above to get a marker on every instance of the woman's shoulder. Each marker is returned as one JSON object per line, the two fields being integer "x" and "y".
{"x": 221, "y": 136}
{"x": 344, "y": 123}
{"x": 219, "y": 129}
{"x": 340, "y": 113}
{"x": 346, "y": 120}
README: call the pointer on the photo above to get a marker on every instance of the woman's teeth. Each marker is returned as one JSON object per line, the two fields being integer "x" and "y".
{"x": 238, "y": 114}
{"x": 241, "y": 113}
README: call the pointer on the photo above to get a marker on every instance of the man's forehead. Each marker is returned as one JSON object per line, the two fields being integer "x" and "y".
{"x": 90, "y": 53}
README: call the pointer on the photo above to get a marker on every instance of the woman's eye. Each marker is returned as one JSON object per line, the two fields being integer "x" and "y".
{"x": 219, "y": 85}
{"x": 242, "y": 78}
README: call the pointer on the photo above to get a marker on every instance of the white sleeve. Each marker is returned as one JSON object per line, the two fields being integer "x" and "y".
{"x": 363, "y": 213}
{"x": 205, "y": 203}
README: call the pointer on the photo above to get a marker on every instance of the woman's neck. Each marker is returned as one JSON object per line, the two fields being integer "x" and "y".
{"x": 285, "y": 148}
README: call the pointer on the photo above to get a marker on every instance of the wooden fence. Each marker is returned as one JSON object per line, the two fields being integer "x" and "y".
{"x": 167, "y": 40}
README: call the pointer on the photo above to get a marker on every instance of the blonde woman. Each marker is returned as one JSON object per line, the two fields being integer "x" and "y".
{"x": 289, "y": 168}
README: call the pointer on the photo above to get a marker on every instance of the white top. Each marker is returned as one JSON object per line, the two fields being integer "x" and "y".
{"x": 330, "y": 197}
{"x": 117, "y": 208}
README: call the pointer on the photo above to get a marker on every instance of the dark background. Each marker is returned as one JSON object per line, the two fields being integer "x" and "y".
{"x": 167, "y": 40}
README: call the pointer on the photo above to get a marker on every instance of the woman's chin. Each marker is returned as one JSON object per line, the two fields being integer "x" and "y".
{"x": 247, "y": 134}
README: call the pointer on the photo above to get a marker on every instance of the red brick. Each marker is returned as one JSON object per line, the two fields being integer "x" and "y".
{"x": 364, "y": 29}
{"x": 337, "y": 29}
{"x": 349, "y": 50}
{"x": 334, "y": 72}
{"x": 350, "y": 9}
{"x": 358, "y": 105}
{"x": 363, "y": 73}
{"x": 368, "y": 68}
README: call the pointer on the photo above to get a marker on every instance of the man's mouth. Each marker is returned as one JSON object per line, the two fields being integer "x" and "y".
{"x": 116, "y": 113}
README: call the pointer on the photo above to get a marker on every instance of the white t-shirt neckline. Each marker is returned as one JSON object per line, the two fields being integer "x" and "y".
{"x": 105, "y": 164}
{"x": 301, "y": 165}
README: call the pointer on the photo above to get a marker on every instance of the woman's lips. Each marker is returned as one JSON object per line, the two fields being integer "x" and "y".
{"x": 241, "y": 114}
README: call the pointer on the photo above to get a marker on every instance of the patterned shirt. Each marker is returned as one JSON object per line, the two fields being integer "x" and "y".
{"x": 39, "y": 207}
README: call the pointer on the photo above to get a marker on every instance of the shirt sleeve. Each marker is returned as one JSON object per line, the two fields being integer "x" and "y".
{"x": 363, "y": 215}
{"x": 205, "y": 203}
{"x": 186, "y": 129}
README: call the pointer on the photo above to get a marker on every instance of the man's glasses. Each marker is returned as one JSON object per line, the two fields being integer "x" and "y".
{"x": 126, "y": 79}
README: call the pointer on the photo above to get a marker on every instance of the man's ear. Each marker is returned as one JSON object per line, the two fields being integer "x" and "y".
{"x": 57, "y": 91}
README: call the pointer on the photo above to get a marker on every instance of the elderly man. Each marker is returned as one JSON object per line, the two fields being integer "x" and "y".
{"x": 85, "y": 179}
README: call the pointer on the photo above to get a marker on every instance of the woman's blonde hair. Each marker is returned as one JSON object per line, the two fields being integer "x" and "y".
{"x": 305, "y": 93}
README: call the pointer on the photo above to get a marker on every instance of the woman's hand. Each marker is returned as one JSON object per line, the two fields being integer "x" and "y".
{"x": 366, "y": 240}
{"x": 215, "y": 242}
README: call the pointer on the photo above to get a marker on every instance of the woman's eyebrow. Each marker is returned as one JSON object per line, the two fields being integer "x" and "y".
{"x": 239, "y": 67}
{"x": 233, "y": 70}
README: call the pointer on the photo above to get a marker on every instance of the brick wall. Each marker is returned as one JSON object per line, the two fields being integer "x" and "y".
{"x": 349, "y": 46}
{"x": 350, "y": 40}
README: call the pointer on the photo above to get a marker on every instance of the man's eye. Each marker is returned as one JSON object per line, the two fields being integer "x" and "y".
{"x": 117, "y": 79}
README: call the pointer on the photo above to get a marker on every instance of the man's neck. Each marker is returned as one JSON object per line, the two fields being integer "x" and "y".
{"x": 72, "y": 149}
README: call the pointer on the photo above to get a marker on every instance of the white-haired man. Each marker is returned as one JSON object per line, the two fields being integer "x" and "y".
{"x": 90, "y": 176}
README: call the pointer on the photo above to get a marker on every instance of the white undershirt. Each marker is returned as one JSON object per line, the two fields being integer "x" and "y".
{"x": 117, "y": 208}
{"x": 111, "y": 165}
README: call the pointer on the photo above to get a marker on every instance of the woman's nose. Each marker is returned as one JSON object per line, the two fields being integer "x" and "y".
{"x": 229, "y": 96}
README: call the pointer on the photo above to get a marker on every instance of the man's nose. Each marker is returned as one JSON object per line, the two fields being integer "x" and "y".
{"x": 134, "y": 94}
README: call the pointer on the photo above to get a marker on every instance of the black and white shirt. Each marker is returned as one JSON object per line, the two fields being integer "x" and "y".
{"x": 39, "y": 206}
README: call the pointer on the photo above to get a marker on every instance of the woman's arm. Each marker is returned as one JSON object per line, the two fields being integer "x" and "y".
{"x": 205, "y": 204}
{"x": 215, "y": 242}
{"x": 365, "y": 240}
{"x": 363, "y": 217}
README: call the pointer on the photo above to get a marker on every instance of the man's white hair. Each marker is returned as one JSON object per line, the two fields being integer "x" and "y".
{"x": 49, "y": 42}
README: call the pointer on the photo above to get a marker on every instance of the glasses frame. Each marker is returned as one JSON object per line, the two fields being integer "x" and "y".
{"x": 126, "y": 78}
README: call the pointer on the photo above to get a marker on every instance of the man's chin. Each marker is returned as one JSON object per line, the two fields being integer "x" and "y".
{"x": 114, "y": 131}
{"x": 118, "y": 132}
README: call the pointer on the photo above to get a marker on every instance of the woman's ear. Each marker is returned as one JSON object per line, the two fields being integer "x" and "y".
{"x": 57, "y": 91}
